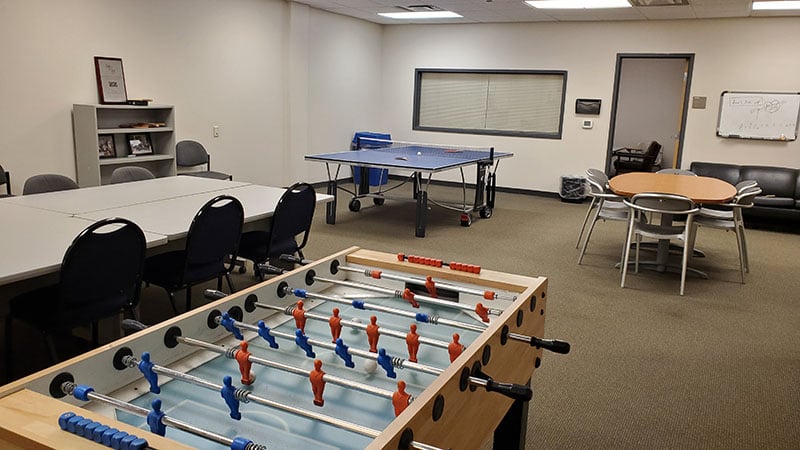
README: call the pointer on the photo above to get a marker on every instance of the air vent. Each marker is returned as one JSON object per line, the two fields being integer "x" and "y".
{"x": 419, "y": 8}
{"x": 659, "y": 2}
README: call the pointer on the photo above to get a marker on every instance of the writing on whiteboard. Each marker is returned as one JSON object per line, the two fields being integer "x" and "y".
{"x": 759, "y": 115}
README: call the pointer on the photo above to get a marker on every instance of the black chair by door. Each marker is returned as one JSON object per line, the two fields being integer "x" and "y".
{"x": 210, "y": 251}
{"x": 632, "y": 160}
{"x": 101, "y": 275}
{"x": 292, "y": 218}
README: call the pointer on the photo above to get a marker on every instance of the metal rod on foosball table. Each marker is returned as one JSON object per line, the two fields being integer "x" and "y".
{"x": 387, "y": 331}
{"x": 410, "y": 296}
{"x": 396, "y": 362}
{"x": 89, "y": 394}
{"x": 229, "y": 352}
{"x": 377, "y": 274}
{"x": 420, "y": 317}
{"x": 247, "y": 396}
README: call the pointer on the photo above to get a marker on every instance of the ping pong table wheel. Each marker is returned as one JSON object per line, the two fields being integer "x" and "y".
{"x": 355, "y": 205}
{"x": 466, "y": 220}
{"x": 378, "y": 200}
{"x": 485, "y": 212}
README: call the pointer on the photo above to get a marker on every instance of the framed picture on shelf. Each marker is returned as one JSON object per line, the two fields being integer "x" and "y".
{"x": 106, "y": 147}
{"x": 139, "y": 144}
{"x": 110, "y": 80}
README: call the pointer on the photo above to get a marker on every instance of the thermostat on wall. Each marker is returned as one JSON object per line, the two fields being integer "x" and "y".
{"x": 587, "y": 124}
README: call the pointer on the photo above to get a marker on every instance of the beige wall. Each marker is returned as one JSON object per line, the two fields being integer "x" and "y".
{"x": 735, "y": 54}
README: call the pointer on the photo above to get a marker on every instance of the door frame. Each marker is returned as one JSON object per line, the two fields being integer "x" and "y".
{"x": 689, "y": 57}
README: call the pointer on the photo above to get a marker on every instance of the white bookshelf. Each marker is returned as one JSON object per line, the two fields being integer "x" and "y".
{"x": 92, "y": 121}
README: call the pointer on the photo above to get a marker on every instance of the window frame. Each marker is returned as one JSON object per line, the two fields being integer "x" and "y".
{"x": 420, "y": 72}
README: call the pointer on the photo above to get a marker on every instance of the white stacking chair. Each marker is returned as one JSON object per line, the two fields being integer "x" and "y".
{"x": 605, "y": 205}
{"x": 655, "y": 203}
{"x": 730, "y": 219}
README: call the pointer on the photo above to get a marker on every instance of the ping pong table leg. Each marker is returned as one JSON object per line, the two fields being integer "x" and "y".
{"x": 480, "y": 186}
{"x": 330, "y": 207}
{"x": 491, "y": 189}
{"x": 422, "y": 211}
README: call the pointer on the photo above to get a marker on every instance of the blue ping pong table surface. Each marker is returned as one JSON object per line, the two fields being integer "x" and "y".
{"x": 414, "y": 157}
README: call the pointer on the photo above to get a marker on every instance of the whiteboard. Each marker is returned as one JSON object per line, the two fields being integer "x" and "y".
{"x": 759, "y": 115}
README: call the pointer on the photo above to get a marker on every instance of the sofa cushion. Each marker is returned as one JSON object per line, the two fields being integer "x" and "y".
{"x": 775, "y": 202}
{"x": 726, "y": 172}
{"x": 776, "y": 181}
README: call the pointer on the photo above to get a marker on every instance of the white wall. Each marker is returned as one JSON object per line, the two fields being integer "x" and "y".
{"x": 283, "y": 80}
{"x": 736, "y": 54}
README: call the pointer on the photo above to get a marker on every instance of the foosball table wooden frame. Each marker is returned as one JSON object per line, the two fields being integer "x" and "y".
{"x": 446, "y": 414}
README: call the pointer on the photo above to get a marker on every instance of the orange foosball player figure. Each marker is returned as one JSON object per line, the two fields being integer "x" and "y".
{"x": 336, "y": 325}
{"x": 243, "y": 358}
{"x": 412, "y": 341}
{"x": 299, "y": 316}
{"x": 455, "y": 348}
{"x": 372, "y": 334}
{"x": 400, "y": 398}
{"x": 317, "y": 379}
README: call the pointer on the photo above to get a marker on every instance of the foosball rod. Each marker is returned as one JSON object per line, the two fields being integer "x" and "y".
{"x": 412, "y": 297}
{"x": 88, "y": 393}
{"x": 511, "y": 390}
{"x": 387, "y": 331}
{"x": 419, "y": 317}
{"x": 247, "y": 396}
{"x": 378, "y": 274}
{"x": 230, "y": 352}
{"x": 396, "y": 362}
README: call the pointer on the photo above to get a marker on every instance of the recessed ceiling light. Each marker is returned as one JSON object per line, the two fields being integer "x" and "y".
{"x": 775, "y": 5}
{"x": 422, "y": 15}
{"x": 579, "y": 4}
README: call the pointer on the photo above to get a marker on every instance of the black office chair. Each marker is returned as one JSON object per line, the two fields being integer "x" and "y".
{"x": 5, "y": 178}
{"x": 101, "y": 275}
{"x": 48, "y": 182}
{"x": 210, "y": 252}
{"x": 633, "y": 160}
{"x": 130, "y": 173}
{"x": 292, "y": 217}
{"x": 192, "y": 154}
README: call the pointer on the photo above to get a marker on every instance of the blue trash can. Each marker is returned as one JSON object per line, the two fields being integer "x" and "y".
{"x": 377, "y": 177}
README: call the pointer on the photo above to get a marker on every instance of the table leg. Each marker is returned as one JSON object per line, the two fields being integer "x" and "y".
{"x": 330, "y": 207}
{"x": 512, "y": 430}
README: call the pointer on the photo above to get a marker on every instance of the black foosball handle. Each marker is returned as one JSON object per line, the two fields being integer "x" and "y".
{"x": 511, "y": 390}
{"x": 269, "y": 269}
{"x": 295, "y": 259}
{"x": 554, "y": 345}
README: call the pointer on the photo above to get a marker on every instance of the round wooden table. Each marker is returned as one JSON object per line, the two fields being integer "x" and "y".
{"x": 699, "y": 189}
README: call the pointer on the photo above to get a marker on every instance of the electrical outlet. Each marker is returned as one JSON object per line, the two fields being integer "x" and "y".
{"x": 215, "y": 131}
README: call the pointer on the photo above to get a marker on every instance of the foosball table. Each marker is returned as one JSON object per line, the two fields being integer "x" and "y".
{"x": 357, "y": 350}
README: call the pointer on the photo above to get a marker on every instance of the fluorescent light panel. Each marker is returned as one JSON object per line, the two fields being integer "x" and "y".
{"x": 773, "y": 6}
{"x": 579, "y": 4}
{"x": 422, "y": 15}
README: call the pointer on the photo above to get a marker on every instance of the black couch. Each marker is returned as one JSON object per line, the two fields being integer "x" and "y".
{"x": 779, "y": 202}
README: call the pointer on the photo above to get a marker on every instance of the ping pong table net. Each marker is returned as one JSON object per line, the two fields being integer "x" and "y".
{"x": 420, "y": 149}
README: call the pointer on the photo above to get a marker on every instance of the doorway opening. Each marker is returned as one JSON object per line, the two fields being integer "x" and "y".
{"x": 651, "y": 100}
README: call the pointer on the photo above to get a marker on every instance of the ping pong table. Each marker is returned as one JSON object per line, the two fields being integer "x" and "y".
{"x": 422, "y": 160}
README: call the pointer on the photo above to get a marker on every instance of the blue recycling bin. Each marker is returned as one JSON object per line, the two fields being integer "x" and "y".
{"x": 377, "y": 177}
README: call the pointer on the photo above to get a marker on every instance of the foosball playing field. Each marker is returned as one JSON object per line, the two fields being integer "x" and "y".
{"x": 357, "y": 350}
